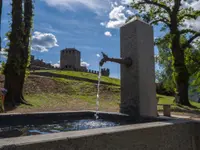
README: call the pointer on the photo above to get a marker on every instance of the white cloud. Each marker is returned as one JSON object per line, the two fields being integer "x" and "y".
{"x": 126, "y": 2}
{"x": 117, "y": 14}
{"x": 107, "y": 33}
{"x": 129, "y": 12}
{"x": 3, "y": 53}
{"x": 115, "y": 24}
{"x": 102, "y": 23}
{"x": 194, "y": 24}
{"x": 5, "y": 39}
{"x": 196, "y": 5}
{"x": 191, "y": 3}
{"x": 95, "y": 5}
{"x": 43, "y": 41}
{"x": 117, "y": 17}
{"x": 98, "y": 55}
{"x": 85, "y": 64}
{"x": 57, "y": 65}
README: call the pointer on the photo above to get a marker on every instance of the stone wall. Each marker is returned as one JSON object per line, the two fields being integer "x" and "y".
{"x": 104, "y": 71}
{"x": 166, "y": 135}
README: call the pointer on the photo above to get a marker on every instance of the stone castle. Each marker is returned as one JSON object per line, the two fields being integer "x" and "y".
{"x": 70, "y": 59}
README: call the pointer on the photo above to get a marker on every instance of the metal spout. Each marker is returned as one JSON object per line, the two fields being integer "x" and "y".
{"x": 126, "y": 61}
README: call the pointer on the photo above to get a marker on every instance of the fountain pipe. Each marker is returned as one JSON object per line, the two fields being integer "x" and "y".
{"x": 126, "y": 61}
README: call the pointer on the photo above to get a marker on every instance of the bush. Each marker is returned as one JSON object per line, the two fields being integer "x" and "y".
{"x": 160, "y": 89}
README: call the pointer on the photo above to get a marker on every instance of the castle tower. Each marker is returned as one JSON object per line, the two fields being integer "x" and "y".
{"x": 70, "y": 58}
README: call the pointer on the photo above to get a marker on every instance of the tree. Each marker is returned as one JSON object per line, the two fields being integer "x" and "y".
{"x": 18, "y": 51}
{"x": 1, "y": 6}
{"x": 165, "y": 73}
{"x": 28, "y": 21}
{"x": 171, "y": 15}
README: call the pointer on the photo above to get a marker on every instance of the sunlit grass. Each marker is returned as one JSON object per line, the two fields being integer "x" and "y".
{"x": 177, "y": 108}
{"x": 83, "y": 75}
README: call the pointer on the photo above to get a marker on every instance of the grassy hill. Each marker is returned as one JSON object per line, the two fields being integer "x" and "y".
{"x": 82, "y": 75}
{"x": 56, "y": 94}
{"x": 67, "y": 94}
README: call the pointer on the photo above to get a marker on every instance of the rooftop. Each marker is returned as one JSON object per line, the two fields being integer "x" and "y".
{"x": 70, "y": 49}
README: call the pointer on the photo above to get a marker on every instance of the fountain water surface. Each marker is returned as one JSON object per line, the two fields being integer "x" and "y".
{"x": 55, "y": 127}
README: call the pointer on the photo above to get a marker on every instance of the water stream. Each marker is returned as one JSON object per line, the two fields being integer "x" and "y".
{"x": 98, "y": 90}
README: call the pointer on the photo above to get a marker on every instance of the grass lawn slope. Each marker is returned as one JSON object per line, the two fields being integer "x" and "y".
{"x": 66, "y": 94}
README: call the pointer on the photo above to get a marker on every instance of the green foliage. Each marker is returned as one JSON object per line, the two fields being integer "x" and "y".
{"x": 165, "y": 60}
{"x": 28, "y": 19}
{"x": 25, "y": 28}
{"x": 167, "y": 74}
{"x": 3, "y": 67}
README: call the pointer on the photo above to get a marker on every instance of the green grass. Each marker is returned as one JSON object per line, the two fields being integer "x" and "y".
{"x": 51, "y": 93}
{"x": 83, "y": 75}
{"x": 65, "y": 102}
{"x": 178, "y": 108}
{"x": 86, "y": 100}
{"x": 165, "y": 99}
{"x": 70, "y": 95}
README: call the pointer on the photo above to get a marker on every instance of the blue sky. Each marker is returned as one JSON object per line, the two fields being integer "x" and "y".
{"x": 90, "y": 26}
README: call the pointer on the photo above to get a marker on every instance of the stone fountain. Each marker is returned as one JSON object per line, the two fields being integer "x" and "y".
{"x": 138, "y": 89}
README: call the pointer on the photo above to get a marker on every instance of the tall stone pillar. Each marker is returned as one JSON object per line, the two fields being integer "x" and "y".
{"x": 138, "y": 89}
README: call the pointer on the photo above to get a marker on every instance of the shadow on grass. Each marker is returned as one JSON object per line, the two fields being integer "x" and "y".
{"x": 185, "y": 109}
{"x": 8, "y": 108}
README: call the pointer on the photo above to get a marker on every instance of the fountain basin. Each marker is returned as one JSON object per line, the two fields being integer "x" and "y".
{"x": 18, "y": 125}
{"x": 112, "y": 131}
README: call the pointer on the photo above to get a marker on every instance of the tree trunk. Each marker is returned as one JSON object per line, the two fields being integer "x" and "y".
{"x": 28, "y": 15}
{"x": 181, "y": 73}
{"x": 1, "y": 6}
{"x": 182, "y": 79}
{"x": 18, "y": 54}
{"x": 14, "y": 62}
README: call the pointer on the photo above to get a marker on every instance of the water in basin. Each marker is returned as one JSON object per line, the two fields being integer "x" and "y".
{"x": 55, "y": 127}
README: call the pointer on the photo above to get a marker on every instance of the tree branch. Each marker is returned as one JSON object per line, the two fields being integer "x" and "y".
{"x": 189, "y": 15}
{"x": 185, "y": 31}
{"x": 160, "y": 20}
{"x": 155, "y": 4}
{"x": 187, "y": 44}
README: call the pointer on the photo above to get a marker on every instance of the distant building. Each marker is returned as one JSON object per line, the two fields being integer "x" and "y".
{"x": 39, "y": 64}
{"x": 70, "y": 59}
